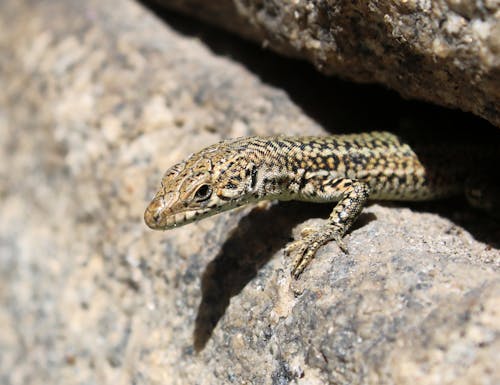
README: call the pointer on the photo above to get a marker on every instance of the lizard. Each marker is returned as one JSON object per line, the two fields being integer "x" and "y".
{"x": 347, "y": 169}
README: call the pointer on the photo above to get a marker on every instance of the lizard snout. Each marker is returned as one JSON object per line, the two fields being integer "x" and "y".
{"x": 153, "y": 213}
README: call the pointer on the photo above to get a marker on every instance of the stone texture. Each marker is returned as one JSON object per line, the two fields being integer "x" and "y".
{"x": 97, "y": 100}
{"x": 446, "y": 51}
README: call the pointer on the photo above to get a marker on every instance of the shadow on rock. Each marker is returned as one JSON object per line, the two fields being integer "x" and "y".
{"x": 252, "y": 244}
{"x": 330, "y": 101}
{"x": 254, "y": 241}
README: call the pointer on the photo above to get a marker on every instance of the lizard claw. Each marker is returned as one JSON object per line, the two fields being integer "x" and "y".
{"x": 292, "y": 246}
{"x": 341, "y": 244}
{"x": 305, "y": 253}
{"x": 298, "y": 243}
{"x": 305, "y": 248}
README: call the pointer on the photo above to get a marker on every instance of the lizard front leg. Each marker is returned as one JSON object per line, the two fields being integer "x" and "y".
{"x": 353, "y": 197}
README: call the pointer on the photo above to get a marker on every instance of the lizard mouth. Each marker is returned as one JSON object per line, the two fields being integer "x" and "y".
{"x": 159, "y": 217}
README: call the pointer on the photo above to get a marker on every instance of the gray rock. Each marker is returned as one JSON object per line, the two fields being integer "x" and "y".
{"x": 446, "y": 51}
{"x": 98, "y": 99}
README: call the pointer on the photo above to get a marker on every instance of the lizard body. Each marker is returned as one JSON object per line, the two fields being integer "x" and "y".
{"x": 348, "y": 169}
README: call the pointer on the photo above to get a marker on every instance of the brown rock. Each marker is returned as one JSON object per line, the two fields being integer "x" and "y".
{"x": 97, "y": 99}
{"x": 446, "y": 52}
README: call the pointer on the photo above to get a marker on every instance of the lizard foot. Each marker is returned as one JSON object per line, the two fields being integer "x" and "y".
{"x": 304, "y": 249}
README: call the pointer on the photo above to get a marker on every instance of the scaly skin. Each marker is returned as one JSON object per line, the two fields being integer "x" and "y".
{"x": 348, "y": 169}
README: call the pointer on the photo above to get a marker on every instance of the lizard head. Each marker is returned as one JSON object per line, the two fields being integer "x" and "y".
{"x": 207, "y": 183}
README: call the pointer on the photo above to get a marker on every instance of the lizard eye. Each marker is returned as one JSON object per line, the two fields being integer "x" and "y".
{"x": 203, "y": 193}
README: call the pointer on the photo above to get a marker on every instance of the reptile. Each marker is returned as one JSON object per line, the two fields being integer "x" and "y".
{"x": 348, "y": 169}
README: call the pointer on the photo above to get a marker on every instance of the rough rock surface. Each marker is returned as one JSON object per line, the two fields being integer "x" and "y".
{"x": 97, "y": 100}
{"x": 444, "y": 51}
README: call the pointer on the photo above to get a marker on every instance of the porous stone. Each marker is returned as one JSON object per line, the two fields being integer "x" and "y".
{"x": 445, "y": 51}
{"x": 98, "y": 99}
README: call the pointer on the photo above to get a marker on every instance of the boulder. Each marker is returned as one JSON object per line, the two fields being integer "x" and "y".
{"x": 98, "y": 99}
{"x": 445, "y": 52}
